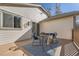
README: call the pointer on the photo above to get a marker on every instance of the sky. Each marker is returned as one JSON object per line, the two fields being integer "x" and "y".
{"x": 64, "y": 7}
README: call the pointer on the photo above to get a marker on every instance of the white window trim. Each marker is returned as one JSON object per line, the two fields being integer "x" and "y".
{"x": 8, "y": 27}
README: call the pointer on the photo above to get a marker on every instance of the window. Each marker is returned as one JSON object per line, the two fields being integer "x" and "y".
{"x": 8, "y": 20}
{"x": 77, "y": 22}
{"x": 17, "y": 22}
{"x": 11, "y": 21}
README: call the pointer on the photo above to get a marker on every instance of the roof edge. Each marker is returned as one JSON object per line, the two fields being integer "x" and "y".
{"x": 73, "y": 13}
{"x": 26, "y": 5}
{"x": 19, "y": 4}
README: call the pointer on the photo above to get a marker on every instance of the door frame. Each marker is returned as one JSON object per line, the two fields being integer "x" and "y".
{"x": 73, "y": 32}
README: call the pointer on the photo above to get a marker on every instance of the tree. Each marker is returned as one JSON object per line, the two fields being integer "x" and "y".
{"x": 57, "y": 9}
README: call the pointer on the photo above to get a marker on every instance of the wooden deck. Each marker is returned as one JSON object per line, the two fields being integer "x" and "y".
{"x": 4, "y": 49}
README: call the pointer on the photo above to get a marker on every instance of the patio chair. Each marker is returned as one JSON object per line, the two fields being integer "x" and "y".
{"x": 36, "y": 40}
{"x": 55, "y": 37}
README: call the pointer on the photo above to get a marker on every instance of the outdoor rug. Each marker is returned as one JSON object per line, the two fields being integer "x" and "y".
{"x": 39, "y": 50}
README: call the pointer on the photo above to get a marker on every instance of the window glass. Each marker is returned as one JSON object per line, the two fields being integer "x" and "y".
{"x": 17, "y": 22}
{"x": 11, "y": 21}
{"x": 8, "y": 20}
{"x": 77, "y": 22}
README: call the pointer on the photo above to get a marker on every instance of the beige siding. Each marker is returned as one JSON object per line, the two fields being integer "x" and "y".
{"x": 62, "y": 26}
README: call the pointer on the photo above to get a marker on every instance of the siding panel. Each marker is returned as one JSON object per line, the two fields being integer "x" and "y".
{"x": 62, "y": 26}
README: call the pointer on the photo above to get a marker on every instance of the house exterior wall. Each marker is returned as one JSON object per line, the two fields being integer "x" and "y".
{"x": 62, "y": 26}
{"x": 8, "y": 36}
{"x": 25, "y": 36}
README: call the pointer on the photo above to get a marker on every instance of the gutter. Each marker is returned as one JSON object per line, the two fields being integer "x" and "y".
{"x": 48, "y": 14}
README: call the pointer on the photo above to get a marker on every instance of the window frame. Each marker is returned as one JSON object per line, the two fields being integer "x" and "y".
{"x": 2, "y": 27}
{"x": 76, "y": 22}
{"x": 12, "y": 23}
{"x": 19, "y": 21}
